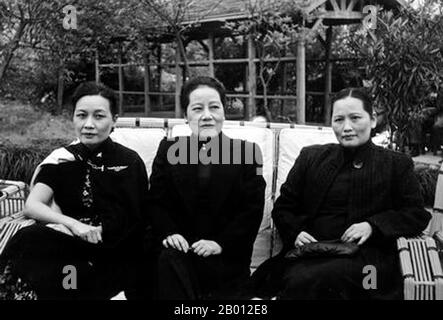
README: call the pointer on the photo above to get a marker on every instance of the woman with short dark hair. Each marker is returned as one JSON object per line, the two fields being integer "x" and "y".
{"x": 206, "y": 206}
{"x": 340, "y": 212}
{"x": 89, "y": 201}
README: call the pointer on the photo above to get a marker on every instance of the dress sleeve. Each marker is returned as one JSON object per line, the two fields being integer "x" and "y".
{"x": 408, "y": 216}
{"x": 158, "y": 194}
{"x": 48, "y": 176}
{"x": 241, "y": 232}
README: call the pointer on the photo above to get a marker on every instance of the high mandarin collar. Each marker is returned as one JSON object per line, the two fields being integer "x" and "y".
{"x": 96, "y": 153}
{"x": 359, "y": 153}
{"x": 206, "y": 140}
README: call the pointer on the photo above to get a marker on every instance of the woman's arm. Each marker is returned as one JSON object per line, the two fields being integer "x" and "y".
{"x": 243, "y": 228}
{"x": 37, "y": 207}
{"x": 408, "y": 217}
{"x": 288, "y": 213}
{"x": 162, "y": 222}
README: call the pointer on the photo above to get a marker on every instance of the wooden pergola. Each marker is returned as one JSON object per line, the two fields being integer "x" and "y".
{"x": 212, "y": 27}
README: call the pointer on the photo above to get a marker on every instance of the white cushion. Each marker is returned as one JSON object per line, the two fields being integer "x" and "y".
{"x": 438, "y": 203}
{"x": 291, "y": 141}
{"x": 144, "y": 141}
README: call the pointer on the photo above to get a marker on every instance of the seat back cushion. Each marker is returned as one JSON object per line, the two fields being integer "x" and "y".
{"x": 144, "y": 141}
{"x": 436, "y": 223}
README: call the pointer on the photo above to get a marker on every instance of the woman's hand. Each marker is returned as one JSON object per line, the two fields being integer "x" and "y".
{"x": 206, "y": 248}
{"x": 304, "y": 238}
{"x": 357, "y": 231}
{"x": 60, "y": 227}
{"x": 176, "y": 241}
{"x": 86, "y": 232}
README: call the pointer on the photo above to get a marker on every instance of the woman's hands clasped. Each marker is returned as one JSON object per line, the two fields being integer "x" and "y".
{"x": 78, "y": 229}
{"x": 357, "y": 232}
{"x": 203, "y": 248}
{"x": 206, "y": 248}
{"x": 176, "y": 241}
{"x": 86, "y": 232}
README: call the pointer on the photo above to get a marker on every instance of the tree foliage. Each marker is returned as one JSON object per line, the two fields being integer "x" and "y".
{"x": 404, "y": 63}
{"x": 275, "y": 28}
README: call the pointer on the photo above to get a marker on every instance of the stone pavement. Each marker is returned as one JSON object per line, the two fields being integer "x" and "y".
{"x": 429, "y": 159}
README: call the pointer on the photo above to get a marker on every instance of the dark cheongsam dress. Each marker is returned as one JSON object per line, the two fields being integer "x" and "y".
{"x": 105, "y": 187}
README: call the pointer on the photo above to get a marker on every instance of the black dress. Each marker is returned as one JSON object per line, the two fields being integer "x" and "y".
{"x": 220, "y": 201}
{"x": 329, "y": 189}
{"x": 107, "y": 187}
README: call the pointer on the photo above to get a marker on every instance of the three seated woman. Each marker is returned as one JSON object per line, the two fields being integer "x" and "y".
{"x": 92, "y": 201}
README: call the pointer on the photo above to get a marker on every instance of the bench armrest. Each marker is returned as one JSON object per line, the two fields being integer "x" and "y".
{"x": 421, "y": 268}
{"x": 10, "y": 225}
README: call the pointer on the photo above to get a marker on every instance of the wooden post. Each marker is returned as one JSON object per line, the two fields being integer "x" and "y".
{"x": 159, "y": 75}
{"x": 97, "y": 67}
{"x": 284, "y": 87}
{"x": 147, "y": 86}
{"x": 301, "y": 85}
{"x": 178, "y": 82}
{"x": 60, "y": 83}
{"x": 120, "y": 81}
{"x": 252, "y": 81}
{"x": 328, "y": 78}
{"x": 211, "y": 55}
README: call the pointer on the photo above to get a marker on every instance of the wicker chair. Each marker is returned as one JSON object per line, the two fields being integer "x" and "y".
{"x": 12, "y": 202}
{"x": 420, "y": 261}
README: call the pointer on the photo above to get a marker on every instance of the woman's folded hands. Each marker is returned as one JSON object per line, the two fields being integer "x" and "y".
{"x": 357, "y": 232}
{"x": 86, "y": 232}
{"x": 78, "y": 229}
{"x": 203, "y": 248}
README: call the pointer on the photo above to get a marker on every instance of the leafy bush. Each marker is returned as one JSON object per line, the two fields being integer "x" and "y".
{"x": 13, "y": 288}
{"x": 18, "y": 162}
{"x": 427, "y": 178}
{"x": 404, "y": 63}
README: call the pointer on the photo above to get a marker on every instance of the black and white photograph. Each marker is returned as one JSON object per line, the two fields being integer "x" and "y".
{"x": 221, "y": 158}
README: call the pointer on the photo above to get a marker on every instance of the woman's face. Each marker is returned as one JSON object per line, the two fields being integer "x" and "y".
{"x": 93, "y": 120}
{"x": 205, "y": 112}
{"x": 351, "y": 123}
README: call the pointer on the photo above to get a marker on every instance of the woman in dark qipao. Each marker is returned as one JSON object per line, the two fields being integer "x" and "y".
{"x": 207, "y": 198}
{"x": 351, "y": 192}
{"x": 89, "y": 201}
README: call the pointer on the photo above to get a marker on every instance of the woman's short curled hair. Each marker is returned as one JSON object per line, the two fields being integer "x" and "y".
{"x": 91, "y": 88}
{"x": 357, "y": 93}
{"x": 200, "y": 81}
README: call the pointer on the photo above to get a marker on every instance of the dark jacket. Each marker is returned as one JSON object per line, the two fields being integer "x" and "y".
{"x": 384, "y": 192}
{"x": 234, "y": 202}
